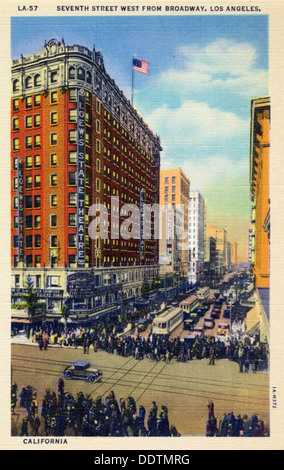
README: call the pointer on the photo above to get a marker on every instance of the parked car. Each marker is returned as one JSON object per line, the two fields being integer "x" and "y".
{"x": 81, "y": 370}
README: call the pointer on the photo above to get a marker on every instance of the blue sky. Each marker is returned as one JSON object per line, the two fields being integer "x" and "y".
{"x": 204, "y": 71}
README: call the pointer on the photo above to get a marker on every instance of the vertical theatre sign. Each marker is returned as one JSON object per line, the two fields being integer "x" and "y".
{"x": 20, "y": 196}
{"x": 80, "y": 220}
{"x": 142, "y": 225}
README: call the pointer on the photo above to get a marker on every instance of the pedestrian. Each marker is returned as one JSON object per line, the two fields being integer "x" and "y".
{"x": 24, "y": 427}
{"x": 210, "y": 407}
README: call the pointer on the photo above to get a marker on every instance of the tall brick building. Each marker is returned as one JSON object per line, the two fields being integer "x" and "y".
{"x": 77, "y": 141}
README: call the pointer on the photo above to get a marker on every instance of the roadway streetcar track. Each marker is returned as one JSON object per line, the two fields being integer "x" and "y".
{"x": 170, "y": 390}
{"x": 149, "y": 385}
{"x": 181, "y": 378}
{"x": 129, "y": 370}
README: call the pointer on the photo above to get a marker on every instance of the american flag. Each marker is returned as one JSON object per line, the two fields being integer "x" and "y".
{"x": 141, "y": 66}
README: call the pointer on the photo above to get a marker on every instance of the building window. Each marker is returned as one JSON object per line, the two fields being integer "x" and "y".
{"x": 72, "y": 240}
{"x": 28, "y": 82}
{"x": 89, "y": 77}
{"x": 37, "y": 182}
{"x": 72, "y": 158}
{"x": 16, "y": 144}
{"x": 28, "y": 122}
{"x": 16, "y": 85}
{"x": 54, "y": 117}
{"x": 53, "y": 241}
{"x": 29, "y": 182}
{"x": 37, "y": 261}
{"x": 81, "y": 74}
{"x": 15, "y": 222}
{"x": 53, "y": 180}
{"x": 15, "y": 124}
{"x": 72, "y": 137}
{"x": 52, "y": 281}
{"x": 53, "y": 200}
{"x": 37, "y": 241}
{"x": 37, "y": 201}
{"x": 72, "y": 261}
{"x": 37, "y": 120}
{"x": 37, "y": 161}
{"x": 37, "y": 141}
{"x": 53, "y": 97}
{"x": 29, "y": 261}
{"x": 28, "y": 102}
{"x": 53, "y": 220}
{"x": 53, "y": 159}
{"x": 16, "y": 104}
{"x": 72, "y": 93}
{"x": 173, "y": 179}
{"x": 37, "y": 100}
{"x": 28, "y": 221}
{"x": 53, "y": 76}
{"x": 15, "y": 183}
{"x": 28, "y": 202}
{"x": 53, "y": 138}
{"x": 71, "y": 73}
{"x": 29, "y": 142}
{"x": 72, "y": 199}
{"x": 37, "y": 221}
{"x": 37, "y": 80}
{"x": 72, "y": 115}
{"x": 71, "y": 220}
{"x": 87, "y": 138}
{"x": 29, "y": 162}
{"x": 15, "y": 241}
{"x": 29, "y": 241}
{"x": 72, "y": 178}
{"x": 15, "y": 203}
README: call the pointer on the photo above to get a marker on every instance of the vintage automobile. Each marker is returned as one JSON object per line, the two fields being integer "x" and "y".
{"x": 81, "y": 370}
{"x": 215, "y": 313}
{"x": 208, "y": 323}
{"x": 223, "y": 329}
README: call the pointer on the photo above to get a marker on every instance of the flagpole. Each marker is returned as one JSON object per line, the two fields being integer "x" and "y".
{"x": 132, "y": 88}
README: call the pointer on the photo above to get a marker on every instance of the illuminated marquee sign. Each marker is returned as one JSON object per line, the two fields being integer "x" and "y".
{"x": 20, "y": 196}
{"x": 80, "y": 220}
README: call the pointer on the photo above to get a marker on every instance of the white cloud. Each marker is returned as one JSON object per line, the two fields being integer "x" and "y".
{"x": 196, "y": 123}
{"x": 222, "y": 65}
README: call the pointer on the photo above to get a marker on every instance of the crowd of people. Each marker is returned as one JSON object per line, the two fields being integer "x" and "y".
{"x": 234, "y": 425}
{"x": 247, "y": 351}
{"x": 60, "y": 413}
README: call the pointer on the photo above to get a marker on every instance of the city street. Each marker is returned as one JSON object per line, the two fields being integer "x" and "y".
{"x": 185, "y": 388}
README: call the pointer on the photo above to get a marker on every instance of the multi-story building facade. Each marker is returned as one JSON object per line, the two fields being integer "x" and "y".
{"x": 259, "y": 183}
{"x": 260, "y": 214}
{"x": 196, "y": 228}
{"x": 77, "y": 144}
{"x": 234, "y": 253}
{"x": 220, "y": 235}
{"x": 174, "y": 197}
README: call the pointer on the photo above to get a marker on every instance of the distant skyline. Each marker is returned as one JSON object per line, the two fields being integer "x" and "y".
{"x": 204, "y": 71}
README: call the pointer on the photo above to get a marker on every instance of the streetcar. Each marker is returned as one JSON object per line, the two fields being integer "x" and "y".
{"x": 167, "y": 321}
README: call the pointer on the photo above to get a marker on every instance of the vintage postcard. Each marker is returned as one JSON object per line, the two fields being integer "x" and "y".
{"x": 141, "y": 276}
